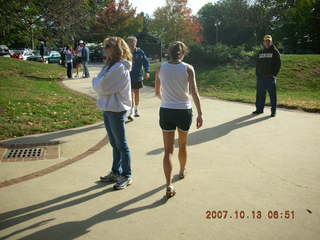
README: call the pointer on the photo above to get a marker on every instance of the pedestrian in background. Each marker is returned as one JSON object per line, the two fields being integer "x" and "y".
{"x": 267, "y": 68}
{"x": 85, "y": 53}
{"x": 140, "y": 62}
{"x": 78, "y": 58}
{"x": 114, "y": 97}
{"x": 42, "y": 50}
{"x": 69, "y": 59}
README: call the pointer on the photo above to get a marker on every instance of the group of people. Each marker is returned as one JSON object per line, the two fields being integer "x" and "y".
{"x": 80, "y": 55}
{"x": 118, "y": 86}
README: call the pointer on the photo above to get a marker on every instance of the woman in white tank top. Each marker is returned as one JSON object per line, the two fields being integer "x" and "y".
{"x": 174, "y": 79}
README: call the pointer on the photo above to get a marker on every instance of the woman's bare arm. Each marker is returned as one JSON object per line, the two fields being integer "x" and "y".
{"x": 195, "y": 94}
{"x": 157, "y": 84}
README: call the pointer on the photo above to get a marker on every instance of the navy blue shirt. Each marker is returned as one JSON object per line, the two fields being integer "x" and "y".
{"x": 139, "y": 60}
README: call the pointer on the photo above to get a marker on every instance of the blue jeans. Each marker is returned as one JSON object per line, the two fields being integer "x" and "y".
{"x": 115, "y": 125}
{"x": 85, "y": 69}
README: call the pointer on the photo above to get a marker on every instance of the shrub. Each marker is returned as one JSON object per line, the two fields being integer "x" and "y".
{"x": 218, "y": 54}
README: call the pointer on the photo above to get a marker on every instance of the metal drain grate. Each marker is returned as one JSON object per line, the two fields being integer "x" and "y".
{"x": 24, "y": 153}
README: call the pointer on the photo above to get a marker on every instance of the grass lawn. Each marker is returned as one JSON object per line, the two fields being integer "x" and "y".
{"x": 32, "y": 100}
{"x": 298, "y": 82}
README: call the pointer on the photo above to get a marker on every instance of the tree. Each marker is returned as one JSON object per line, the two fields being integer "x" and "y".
{"x": 23, "y": 22}
{"x": 228, "y": 22}
{"x": 298, "y": 25}
{"x": 118, "y": 19}
{"x": 174, "y": 22}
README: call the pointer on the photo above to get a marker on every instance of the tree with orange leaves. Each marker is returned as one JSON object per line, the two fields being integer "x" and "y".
{"x": 118, "y": 18}
{"x": 175, "y": 22}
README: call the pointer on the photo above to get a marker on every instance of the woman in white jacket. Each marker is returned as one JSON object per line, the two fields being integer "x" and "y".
{"x": 113, "y": 86}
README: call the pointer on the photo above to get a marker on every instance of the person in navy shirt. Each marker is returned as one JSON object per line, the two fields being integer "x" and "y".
{"x": 140, "y": 62}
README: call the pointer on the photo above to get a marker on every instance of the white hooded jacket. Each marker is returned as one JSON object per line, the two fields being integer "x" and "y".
{"x": 114, "y": 87}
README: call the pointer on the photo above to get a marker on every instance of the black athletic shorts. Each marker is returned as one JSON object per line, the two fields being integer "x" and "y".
{"x": 170, "y": 119}
{"x": 136, "y": 85}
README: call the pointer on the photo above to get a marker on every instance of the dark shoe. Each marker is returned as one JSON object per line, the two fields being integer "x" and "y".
{"x": 110, "y": 178}
{"x": 273, "y": 114}
{"x": 257, "y": 112}
{"x": 122, "y": 183}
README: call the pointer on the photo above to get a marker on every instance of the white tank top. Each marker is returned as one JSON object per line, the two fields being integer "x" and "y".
{"x": 175, "y": 86}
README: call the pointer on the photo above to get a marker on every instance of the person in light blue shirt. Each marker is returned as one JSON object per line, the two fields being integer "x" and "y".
{"x": 85, "y": 54}
{"x": 140, "y": 62}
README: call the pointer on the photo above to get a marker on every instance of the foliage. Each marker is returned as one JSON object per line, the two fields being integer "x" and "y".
{"x": 118, "y": 19}
{"x": 217, "y": 54}
{"x": 26, "y": 22}
{"x": 174, "y": 22}
{"x": 293, "y": 24}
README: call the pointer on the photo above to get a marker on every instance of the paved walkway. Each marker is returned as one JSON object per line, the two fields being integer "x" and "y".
{"x": 237, "y": 162}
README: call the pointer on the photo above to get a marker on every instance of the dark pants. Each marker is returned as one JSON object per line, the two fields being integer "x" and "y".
{"x": 69, "y": 70}
{"x": 115, "y": 125}
{"x": 265, "y": 84}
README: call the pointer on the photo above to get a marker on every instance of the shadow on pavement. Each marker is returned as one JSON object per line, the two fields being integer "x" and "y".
{"x": 210, "y": 134}
{"x": 51, "y": 137}
{"x": 14, "y": 217}
{"x": 73, "y": 230}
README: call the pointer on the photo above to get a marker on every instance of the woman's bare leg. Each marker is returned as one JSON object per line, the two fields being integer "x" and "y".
{"x": 136, "y": 97}
{"x": 183, "y": 142}
{"x": 168, "y": 141}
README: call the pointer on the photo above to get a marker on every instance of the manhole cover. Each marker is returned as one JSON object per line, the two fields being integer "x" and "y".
{"x": 28, "y": 152}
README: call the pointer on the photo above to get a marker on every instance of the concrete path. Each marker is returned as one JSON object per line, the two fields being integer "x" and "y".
{"x": 238, "y": 163}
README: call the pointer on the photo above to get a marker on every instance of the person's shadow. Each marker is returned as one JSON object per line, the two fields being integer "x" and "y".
{"x": 210, "y": 134}
{"x": 72, "y": 230}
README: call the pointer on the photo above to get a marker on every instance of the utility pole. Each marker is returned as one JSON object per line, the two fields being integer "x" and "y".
{"x": 32, "y": 37}
{"x": 217, "y": 24}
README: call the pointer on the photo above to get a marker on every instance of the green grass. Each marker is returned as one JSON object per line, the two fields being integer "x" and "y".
{"x": 32, "y": 100}
{"x": 298, "y": 82}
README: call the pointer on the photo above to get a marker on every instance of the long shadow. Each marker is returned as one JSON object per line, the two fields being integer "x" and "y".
{"x": 73, "y": 230}
{"x": 51, "y": 137}
{"x": 17, "y": 212}
{"x": 14, "y": 217}
{"x": 210, "y": 134}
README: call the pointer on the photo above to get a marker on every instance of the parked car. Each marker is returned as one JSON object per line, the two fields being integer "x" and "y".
{"x": 4, "y": 51}
{"x": 53, "y": 57}
{"x": 20, "y": 54}
{"x": 27, "y": 53}
{"x": 16, "y": 54}
{"x": 36, "y": 57}
{"x": 96, "y": 55}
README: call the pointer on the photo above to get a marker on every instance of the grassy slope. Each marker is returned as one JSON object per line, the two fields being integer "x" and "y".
{"x": 32, "y": 100}
{"x": 298, "y": 82}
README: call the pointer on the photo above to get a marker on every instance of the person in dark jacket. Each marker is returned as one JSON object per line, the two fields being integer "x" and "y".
{"x": 267, "y": 68}
{"x": 42, "y": 50}
{"x": 85, "y": 54}
{"x": 139, "y": 62}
